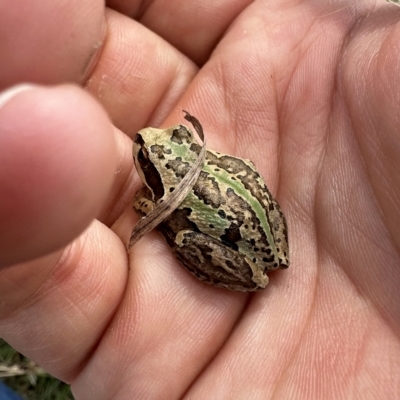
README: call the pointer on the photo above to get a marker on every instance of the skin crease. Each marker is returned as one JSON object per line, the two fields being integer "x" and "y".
{"x": 309, "y": 91}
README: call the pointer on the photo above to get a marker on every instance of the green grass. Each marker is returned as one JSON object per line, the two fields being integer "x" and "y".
{"x": 28, "y": 379}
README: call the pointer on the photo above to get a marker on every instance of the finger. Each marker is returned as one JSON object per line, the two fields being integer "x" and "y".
{"x": 58, "y": 160}
{"x": 370, "y": 70}
{"x": 192, "y": 27}
{"x": 56, "y": 308}
{"x": 139, "y": 77}
{"x": 133, "y": 60}
{"x": 49, "y": 42}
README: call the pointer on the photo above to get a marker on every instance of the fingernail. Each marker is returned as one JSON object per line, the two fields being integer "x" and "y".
{"x": 8, "y": 94}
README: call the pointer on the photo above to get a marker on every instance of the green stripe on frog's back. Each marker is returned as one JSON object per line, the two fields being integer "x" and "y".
{"x": 242, "y": 177}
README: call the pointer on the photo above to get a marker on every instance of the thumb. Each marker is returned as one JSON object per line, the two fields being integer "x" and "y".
{"x": 57, "y": 165}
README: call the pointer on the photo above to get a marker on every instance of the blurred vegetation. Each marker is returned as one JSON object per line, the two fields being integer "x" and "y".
{"x": 29, "y": 380}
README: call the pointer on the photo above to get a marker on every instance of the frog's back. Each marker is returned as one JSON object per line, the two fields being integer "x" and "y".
{"x": 231, "y": 203}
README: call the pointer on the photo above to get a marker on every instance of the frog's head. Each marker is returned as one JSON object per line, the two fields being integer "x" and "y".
{"x": 157, "y": 152}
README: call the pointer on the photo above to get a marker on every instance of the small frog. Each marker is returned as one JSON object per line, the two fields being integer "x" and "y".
{"x": 229, "y": 231}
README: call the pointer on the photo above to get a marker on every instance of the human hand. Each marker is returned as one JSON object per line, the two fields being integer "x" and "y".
{"x": 308, "y": 91}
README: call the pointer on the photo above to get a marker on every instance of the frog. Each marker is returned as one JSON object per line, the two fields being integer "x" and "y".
{"x": 229, "y": 231}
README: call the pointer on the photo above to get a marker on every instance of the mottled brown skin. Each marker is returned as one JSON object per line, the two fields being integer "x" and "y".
{"x": 202, "y": 255}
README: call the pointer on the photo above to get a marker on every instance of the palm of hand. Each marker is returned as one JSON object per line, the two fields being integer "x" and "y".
{"x": 309, "y": 94}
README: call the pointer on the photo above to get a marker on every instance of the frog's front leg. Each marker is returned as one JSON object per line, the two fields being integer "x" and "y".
{"x": 142, "y": 202}
{"x": 213, "y": 262}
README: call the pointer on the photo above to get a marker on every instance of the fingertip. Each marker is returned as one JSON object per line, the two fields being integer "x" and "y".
{"x": 58, "y": 159}
{"x": 13, "y": 91}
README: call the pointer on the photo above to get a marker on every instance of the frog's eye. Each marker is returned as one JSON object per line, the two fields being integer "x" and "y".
{"x": 143, "y": 159}
{"x": 142, "y": 155}
{"x": 138, "y": 139}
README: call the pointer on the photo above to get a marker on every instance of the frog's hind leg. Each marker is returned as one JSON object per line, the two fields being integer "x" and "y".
{"x": 217, "y": 264}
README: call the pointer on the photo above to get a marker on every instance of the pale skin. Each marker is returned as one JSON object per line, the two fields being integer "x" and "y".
{"x": 308, "y": 91}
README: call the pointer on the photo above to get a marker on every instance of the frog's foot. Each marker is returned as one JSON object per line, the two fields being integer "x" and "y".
{"x": 142, "y": 201}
